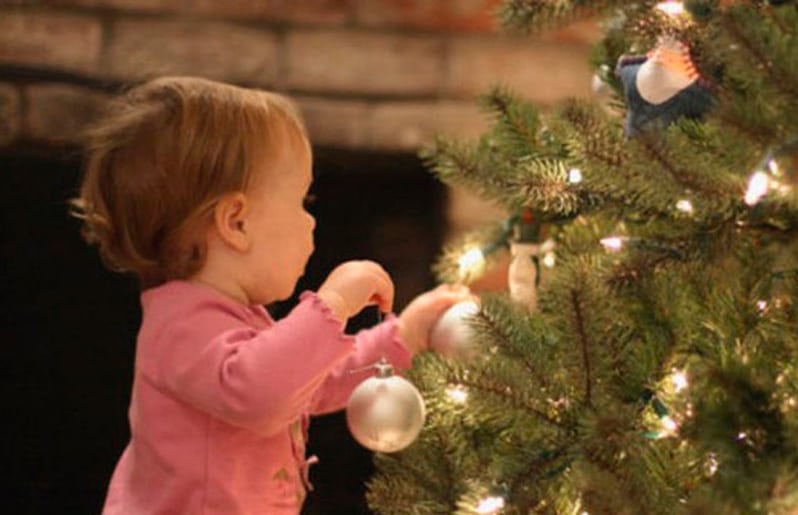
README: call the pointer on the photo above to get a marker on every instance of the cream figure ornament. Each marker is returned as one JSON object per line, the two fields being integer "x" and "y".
{"x": 452, "y": 335}
{"x": 523, "y": 276}
{"x": 385, "y": 413}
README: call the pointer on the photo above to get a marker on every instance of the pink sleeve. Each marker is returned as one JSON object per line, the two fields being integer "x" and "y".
{"x": 370, "y": 345}
{"x": 262, "y": 379}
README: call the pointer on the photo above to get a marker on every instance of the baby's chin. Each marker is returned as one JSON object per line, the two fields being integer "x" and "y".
{"x": 276, "y": 295}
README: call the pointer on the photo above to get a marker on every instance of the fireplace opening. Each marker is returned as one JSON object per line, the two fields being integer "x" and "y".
{"x": 70, "y": 325}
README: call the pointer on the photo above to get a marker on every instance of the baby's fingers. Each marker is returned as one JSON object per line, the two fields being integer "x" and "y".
{"x": 381, "y": 284}
{"x": 383, "y": 291}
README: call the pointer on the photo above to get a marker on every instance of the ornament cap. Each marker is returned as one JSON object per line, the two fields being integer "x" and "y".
{"x": 384, "y": 369}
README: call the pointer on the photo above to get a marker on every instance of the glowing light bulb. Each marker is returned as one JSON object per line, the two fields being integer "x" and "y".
{"x": 685, "y": 206}
{"x": 774, "y": 168}
{"x": 470, "y": 264}
{"x": 490, "y": 505}
{"x": 712, "y": 464}
{"x": 679, "y": 379}
{"x": 574, "y": 175}
{"x": 670, "y": 425}
{"x": 762, "y": 305}
{"x": 671, "y": 8}
{"x": 458, "y": 394}
{"x": 613, "y": 243}
{"x": 549, "y": 259}
{"x": 758, "y": 186}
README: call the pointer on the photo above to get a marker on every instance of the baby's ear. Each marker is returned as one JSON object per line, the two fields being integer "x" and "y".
{"x": 229, "y": 216}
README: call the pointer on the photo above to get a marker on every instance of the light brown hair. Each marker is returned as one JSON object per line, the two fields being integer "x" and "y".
{"x": 158, "y": 162}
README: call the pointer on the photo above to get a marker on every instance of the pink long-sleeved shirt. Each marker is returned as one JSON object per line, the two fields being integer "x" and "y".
{"x": 221, "y": 399}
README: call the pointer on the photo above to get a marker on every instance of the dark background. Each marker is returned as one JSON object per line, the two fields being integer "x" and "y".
{"x": 69, "y": 325}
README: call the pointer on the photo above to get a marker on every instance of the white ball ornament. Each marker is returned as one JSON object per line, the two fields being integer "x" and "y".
{"x": 385, "y": 413}
{"x": 452, "y": 336}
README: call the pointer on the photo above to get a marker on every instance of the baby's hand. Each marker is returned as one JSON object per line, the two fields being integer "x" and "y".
{"x": 418, "y": 318}
{"x": 353, "y": 285}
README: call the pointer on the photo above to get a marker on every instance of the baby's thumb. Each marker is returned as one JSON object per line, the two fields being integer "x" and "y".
{"x": 450, "y": 295}
{"x": 383, "y": 296}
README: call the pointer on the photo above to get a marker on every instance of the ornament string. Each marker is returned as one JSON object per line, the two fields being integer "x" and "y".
{"x": 382, "y": 360}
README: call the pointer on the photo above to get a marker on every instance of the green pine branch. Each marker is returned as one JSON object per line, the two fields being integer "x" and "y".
{"x": 657, "y": 379}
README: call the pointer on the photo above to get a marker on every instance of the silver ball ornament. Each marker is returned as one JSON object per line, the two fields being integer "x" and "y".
{"x": 451, "y": 336}
{"x": 385, "y": 413}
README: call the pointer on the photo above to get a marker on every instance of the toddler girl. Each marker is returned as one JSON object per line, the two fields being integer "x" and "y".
{"x": 197, "y": 188}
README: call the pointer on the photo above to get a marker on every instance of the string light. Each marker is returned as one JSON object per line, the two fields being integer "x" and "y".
{"x": 549, "y": 259}
{"x": 758, "y": 186}
{"x": 458, "y": 394}
{"x": 490, "y": 505}
{"x": 685, "y": 206}
{"x": 547, "y": 246}
{"x": 712, "y": 464}
{"x": 679, "y": 380}
{"x": 765, "y": 179}
{"x": 670, "y": 426}
{"x": 574, "y": 176}
{"x": 613, "y": 243}
{"x": 470, "y": 264}
{"x": 774, "y": 168}
{"x": 671, "y": 8}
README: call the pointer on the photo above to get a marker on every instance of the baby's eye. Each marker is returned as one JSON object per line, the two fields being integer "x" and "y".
{"x": 309, "y": 199}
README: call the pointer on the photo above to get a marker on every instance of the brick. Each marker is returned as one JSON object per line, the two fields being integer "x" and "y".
{"x": 440, "y": 15}
{"x": 10, "y": 113}
{"x": 358, "y": 62}
{"x": 57, "y": 113}
{"x": 323, "y": 12}
{"x": 57, "y": 40}
{"x": 408, "y": 126}
{"x": 339, "y": 123}
{"x": 320, "y": 12}
{"x": 542, "y": 71}
{"x": 144, "y": 49}
{"x": 123, "y": 5}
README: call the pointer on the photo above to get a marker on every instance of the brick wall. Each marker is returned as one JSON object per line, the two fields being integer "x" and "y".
{"x": 377, "y": 75}
{"x": 371, "y": 74}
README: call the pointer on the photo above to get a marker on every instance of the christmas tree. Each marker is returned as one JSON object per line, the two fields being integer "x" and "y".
{"x": 645, "y": 358}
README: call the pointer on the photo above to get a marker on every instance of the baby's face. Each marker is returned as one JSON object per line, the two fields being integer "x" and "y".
{"x": 280, "y": 228}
